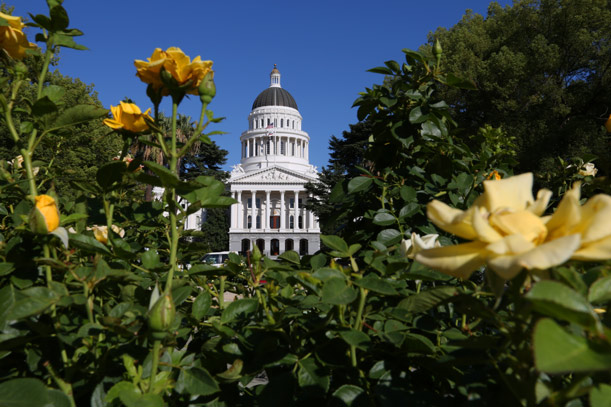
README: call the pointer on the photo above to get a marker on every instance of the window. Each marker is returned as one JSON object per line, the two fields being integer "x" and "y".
{"x": 274, "y": 222}
{"x": 303, "y": 247}
{"x": 268, "y": 146}
{"x": 245, "y": 245}
{"x": 291, "y": 222}
{"x": 258, "y": 222}
{"x": 289, "y": 245}
{"x": 281, "y": 122}
{"x": 291, "y": 203}
{"x": 300, "y": 221}
{"x": 275, "y": 247}
{"x": 282, "y": 148}
{"x": 249, "y": 222}
{"x": 261, "y": 245}
{"x": 292, "y": 149}
{"x": 258, "y": 203}
{"x": 268, "y": 122}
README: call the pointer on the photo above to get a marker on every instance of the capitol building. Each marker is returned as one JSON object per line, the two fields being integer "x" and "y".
{"x": 269, "y": 182}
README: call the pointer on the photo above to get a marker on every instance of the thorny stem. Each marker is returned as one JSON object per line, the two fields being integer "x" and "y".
{"x": 170, "y": 199}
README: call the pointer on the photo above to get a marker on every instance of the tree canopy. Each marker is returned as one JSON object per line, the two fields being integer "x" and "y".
{"x": 543, "y": 73}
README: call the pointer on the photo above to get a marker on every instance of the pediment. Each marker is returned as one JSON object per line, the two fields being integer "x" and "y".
{"x": 274, "y": 175}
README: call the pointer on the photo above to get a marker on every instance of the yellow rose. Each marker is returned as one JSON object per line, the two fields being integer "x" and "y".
{"x": 608, "y": 124}
{"x": 588, "y": 169}
{"x": 12, "y": 38}
{"x": 184, "y": 71}
{"x": 508, "y": 232}
{"x": 128, "y": 116}
{"x": 410, "y": 247}
{"x": 44, "y": 218}
{"x": 101, "y": 232}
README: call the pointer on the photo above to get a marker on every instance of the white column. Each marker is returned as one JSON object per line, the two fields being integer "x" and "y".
{"x": 234, "y": 214}
{"x": 240, "y": 212}
{"x": 282, "y": 216}
{"x": 310, "y": 216}
{"x": 253, "y": 210}
{"x": 296, "y": 221}
{"x": 267, "y": 209}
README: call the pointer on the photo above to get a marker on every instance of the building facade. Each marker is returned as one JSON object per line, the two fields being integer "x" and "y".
{"x": 269, "y": 182}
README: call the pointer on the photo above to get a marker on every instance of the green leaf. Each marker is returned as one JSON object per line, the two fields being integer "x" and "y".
{"x": 377, "y": 284}
{"x": 43, "y": 106}
{"x": 381, "y": 69}
{"x": 180, "y": 294}
{"x": 311, "y": 375}
{"x": 291, "y": 256}
{"x": 59, "y": 18}
{"x": 23, "y": 393}
{"x": 64, "y": 40}
{"x": 416, "y": 116}
{"x": 384, "y": 219}
{"x": 356, "y": 338}
{"x": 426, "y": 300}
{"x": 429, "y": 128}
{"x": 557, "y": 351}
{"x": 168, "y": 179}
{"x": 131, "y": 396}
{"x": 350, "y": 395}
{"x": 62, "y": 234}
{"x": 359, "y": 184}
{"x": 201, "y": 305}
{"x": 35, "y": 301}
{"x": 78, "y": 114}
{"x": 336, "y": 291}
{"x": 457, "y": 82}
{"x": 196, "y": 382}
{"x": 600, "y": 395}
{"x": 241, "y": 307}
{"x": 557, "y": 300}
{"x": 408, "y": 193}
{"x": 335, "y": 243}
{"x": 57, "y": 398}
{"x": 88, "y": 243}
{"x": 110, "y": 173}
{"x": 54, "y": 93}
{"x": 388, "y": 237}
{"x": 600, "y": 290}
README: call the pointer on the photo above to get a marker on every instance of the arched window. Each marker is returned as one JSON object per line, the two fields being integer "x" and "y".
{"x": 274, "y": 248}
{"x": 289, "y": 245}
{"x": 300, "y": 222}
{"x": 261, "y": 245}
{"x": 249, "y": 222}
{"x": 291, "y": 222}
{"x": 303, "y": 247}
{"x": 245, "y": 245}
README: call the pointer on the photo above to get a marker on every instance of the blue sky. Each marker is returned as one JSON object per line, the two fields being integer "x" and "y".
{"x": 322, "y": 48}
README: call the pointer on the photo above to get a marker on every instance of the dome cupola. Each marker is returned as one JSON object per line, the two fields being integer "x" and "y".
{"x": 274, "y": 95}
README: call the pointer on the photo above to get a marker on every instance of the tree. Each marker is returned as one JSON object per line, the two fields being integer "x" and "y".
{"x": 347, "y": 154}
{"x": 78, "y": 157}
{"x": 543, "y": 72}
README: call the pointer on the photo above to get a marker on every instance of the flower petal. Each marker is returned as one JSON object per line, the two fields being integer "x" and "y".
{"x": 458, "y": 261}
{"x": 551, "y": 254}
{"x": 451, "y": 220}
{"x": 513, "y": 192}
{"x": 594, "y": 251}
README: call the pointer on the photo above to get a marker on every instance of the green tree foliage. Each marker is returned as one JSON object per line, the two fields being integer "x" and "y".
{"x": 73, "y": 155}
{"x": 543, "y": 73}
{"x": 347, "y": 155}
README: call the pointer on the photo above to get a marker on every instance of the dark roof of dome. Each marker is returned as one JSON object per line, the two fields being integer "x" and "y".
{"x": 274, "y": 96}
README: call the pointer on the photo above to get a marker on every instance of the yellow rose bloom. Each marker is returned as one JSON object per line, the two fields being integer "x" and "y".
{"x": 178, "y": 65}
{"x": 128, "y": 116}
{"x": 508, "y": 232}
{"x": 608, "y": 124}
{"x": 44, "y": 218}
{"x": 12, "y": 38}
{"x": 101, "y": 232}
